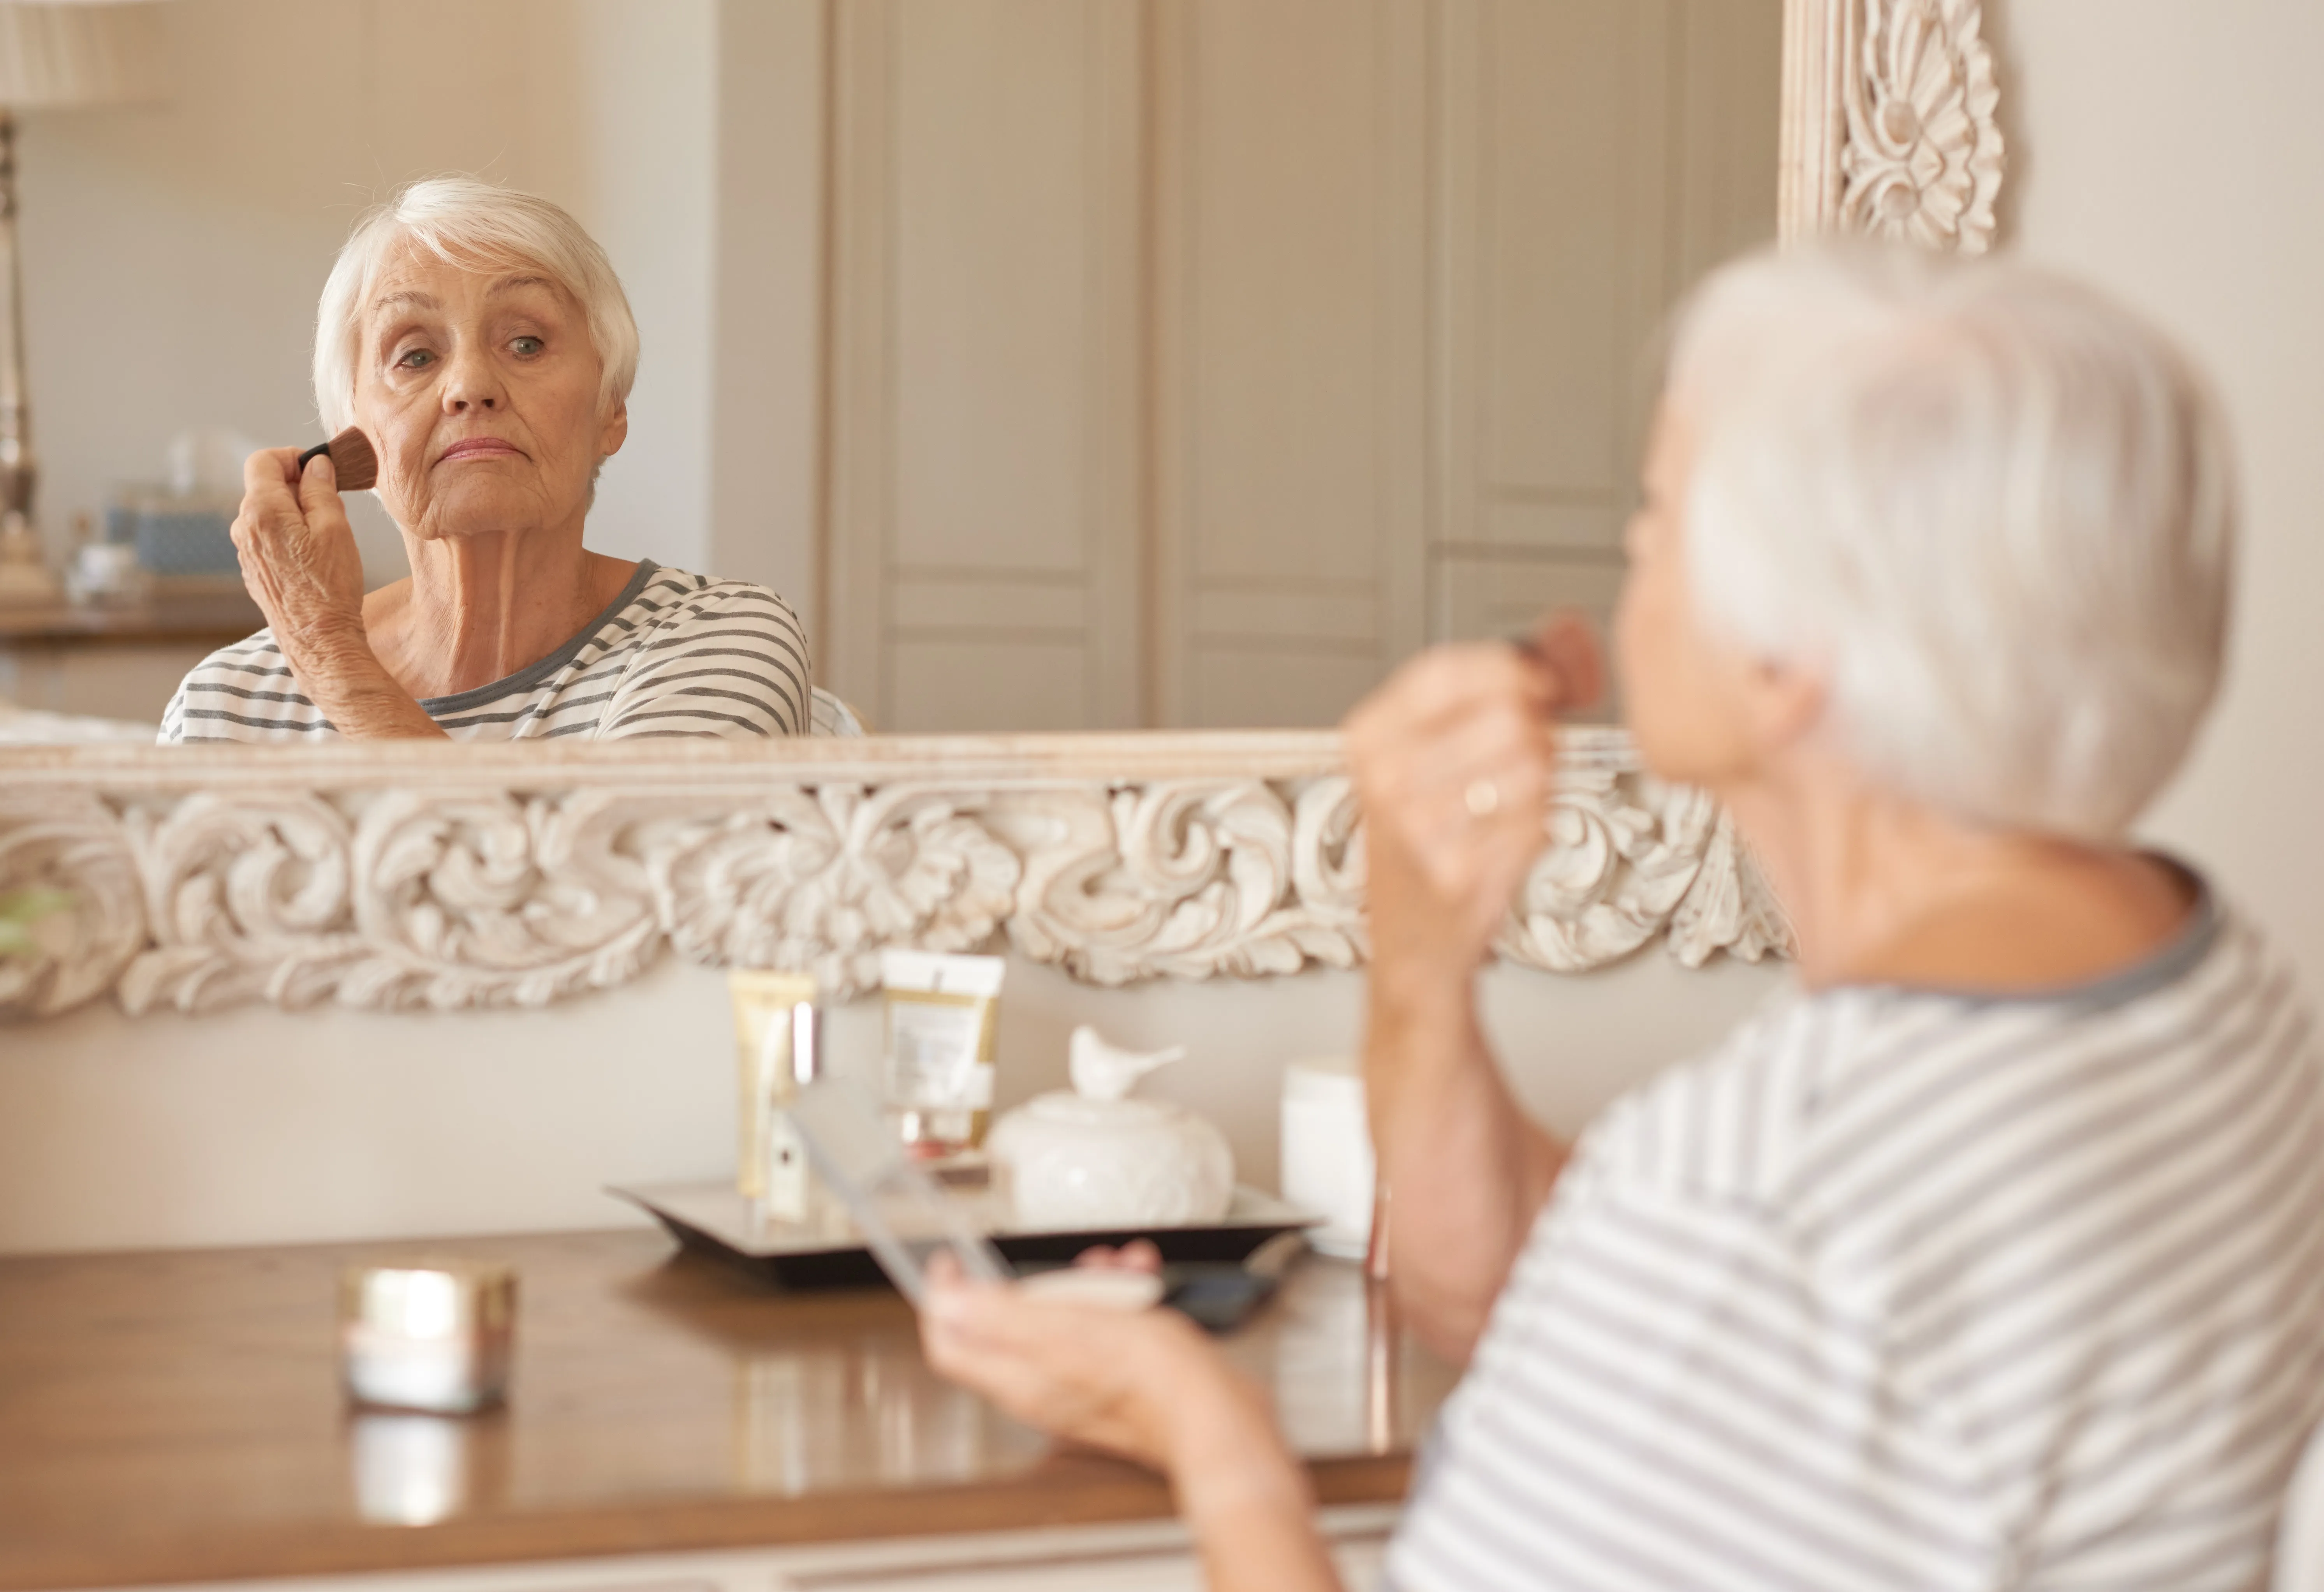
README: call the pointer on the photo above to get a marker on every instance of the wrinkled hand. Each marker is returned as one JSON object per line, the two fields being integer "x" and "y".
{"x": 298, "y": 557}
{"x": 1131, "y": 1382}
{"x": 1453, "y": 761}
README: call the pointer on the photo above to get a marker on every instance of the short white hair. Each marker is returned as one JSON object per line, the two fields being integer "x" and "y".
{"x": 477, "y": 227}
{"x": 1992, "y": 508}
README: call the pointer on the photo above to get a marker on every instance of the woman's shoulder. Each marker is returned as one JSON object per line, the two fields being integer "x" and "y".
{"x": 665, "y": 599}
{"x": 708, "y": 656}
{"x": 1821, "y": 1097}
{"x": 1745, "y": 1122}
{"x": 1722, "y": 1124}
{"x": 259, "y": 649}
{"x": 244, "y": 691}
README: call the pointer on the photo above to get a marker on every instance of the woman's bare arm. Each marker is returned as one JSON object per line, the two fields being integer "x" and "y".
{"x": 1467, "y": 1169}
{"x": 1453, "y": 761}
{"x": 1245, "y": 1499}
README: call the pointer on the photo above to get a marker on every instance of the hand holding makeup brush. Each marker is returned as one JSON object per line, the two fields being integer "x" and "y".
{"x": 1453, "y": 761}
{"x": 301, "y": 565}
{"x": 298, "y": 552}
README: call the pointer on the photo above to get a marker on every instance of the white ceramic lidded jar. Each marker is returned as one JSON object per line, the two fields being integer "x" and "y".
{"x": 1092, "y": 1159}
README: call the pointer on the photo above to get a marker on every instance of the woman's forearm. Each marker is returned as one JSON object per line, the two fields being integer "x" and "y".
{"x": 343, "y": 677}
{"x": 1467, "y": 1170}
{"x": 1245, "y": 1498}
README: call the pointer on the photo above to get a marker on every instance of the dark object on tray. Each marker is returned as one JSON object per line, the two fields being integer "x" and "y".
{"x": 1219, "y": 1295}
{"x": 1218, "y": 1298}
{"x": 712, "y": 1218}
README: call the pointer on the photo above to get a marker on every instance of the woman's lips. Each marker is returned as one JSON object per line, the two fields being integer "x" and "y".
{"x": 479, "y": 448}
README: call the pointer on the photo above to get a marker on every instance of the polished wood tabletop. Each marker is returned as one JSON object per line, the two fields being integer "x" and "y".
{"x": 178, "y": 1416}
{"x": 217, "y": 617}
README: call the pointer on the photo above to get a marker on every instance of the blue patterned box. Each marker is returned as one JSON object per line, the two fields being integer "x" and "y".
{"x": 174, "y": 535}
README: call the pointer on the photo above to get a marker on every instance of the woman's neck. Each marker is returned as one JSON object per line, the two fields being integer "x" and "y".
{"x": 479, "y": 608}
{"x": 1881, "y": 890}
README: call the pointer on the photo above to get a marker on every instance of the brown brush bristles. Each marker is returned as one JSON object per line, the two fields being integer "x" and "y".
{"x": 352, "y": 459}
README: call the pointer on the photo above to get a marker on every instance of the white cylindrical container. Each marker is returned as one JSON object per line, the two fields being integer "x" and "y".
{"x": 1327, "y": 1151}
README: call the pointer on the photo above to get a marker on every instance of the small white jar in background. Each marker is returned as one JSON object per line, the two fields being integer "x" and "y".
{"x": 1327, "y": 1152}
{"x": 433, "y": 1338}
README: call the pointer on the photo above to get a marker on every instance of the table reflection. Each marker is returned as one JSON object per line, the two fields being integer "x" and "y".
{"x": 814, "y": 1416}
{"x": 414, "y": 1469}
{"x": 820, "y": 1407}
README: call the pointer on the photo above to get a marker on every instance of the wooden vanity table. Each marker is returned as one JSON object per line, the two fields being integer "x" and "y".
{"x": 176, "y": 1417}
{"x": 117, "y": 662}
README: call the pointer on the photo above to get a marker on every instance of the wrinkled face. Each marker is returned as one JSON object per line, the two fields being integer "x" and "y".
{"x": 1694, "y": 705}
{"x": 479, "y": 391}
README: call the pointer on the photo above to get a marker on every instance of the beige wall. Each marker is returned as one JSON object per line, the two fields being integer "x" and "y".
{"x": 262, "y": 1126}
{"x": 2174, "y": 152}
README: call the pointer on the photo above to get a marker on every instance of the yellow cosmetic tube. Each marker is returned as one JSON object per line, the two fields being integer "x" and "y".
{"x": 769, "y": 1165}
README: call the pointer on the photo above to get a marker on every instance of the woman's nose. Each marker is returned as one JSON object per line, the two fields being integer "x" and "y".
{"x": 470, "y": 381}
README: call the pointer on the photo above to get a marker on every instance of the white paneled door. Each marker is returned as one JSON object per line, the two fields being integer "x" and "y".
{"x": 1193, "y": 361}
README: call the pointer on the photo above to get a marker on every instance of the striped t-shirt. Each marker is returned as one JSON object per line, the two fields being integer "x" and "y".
{"x": 675, "y": 654}
{"x": 1901, "y": 1290}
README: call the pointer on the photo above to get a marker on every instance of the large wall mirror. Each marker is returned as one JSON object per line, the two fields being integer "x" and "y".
{"x": 1193, "y": 362}
{"x": 1161, "y": 369}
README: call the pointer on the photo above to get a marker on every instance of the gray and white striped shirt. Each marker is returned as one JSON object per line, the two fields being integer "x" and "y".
{"x": 675, "y": 654}
{"x": 1902, "y": 1290}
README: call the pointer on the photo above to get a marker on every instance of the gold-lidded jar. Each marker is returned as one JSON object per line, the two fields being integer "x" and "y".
{"x": 433, "y": 1335}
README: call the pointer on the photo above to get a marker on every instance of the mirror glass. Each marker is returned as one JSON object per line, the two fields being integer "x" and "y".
{"x": 1065, "y": 363}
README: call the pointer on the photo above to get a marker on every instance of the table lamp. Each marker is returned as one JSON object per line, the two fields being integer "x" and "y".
{"x": 66, "y": 53}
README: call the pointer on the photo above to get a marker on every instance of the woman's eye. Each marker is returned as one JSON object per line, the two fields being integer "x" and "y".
{"x": 528, "y": 346}
{"x": 415, "y": 359}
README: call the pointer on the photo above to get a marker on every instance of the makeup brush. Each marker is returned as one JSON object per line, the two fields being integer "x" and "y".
{"x": 351, "y": 458}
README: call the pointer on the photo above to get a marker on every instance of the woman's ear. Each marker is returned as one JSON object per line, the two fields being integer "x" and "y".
{"x": 1783, "y": 703}
{"x": 615, "y": 431}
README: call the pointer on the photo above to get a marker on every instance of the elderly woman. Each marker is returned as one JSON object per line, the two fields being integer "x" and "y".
{"x": 482, "y": 342}
{"x": 1993, "y": 1254}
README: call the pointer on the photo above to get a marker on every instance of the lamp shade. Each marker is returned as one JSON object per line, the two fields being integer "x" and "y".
{"x": 79, "y": 52}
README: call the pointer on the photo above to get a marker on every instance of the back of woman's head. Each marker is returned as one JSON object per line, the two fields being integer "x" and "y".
{"x": 1990, "y": 507}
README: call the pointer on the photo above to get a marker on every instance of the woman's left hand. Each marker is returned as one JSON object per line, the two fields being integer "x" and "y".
{"x": 1126, "y": 1381}
{"x": 1146, "y": 1384}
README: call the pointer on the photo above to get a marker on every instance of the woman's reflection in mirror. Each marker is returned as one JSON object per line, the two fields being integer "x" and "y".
{"x": 481, "y": 340}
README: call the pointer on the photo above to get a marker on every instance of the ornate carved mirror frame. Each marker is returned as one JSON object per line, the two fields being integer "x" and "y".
{"x": 454, "y": 876}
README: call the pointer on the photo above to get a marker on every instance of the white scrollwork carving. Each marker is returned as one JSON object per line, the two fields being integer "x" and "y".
{"x": 819, "y": 880}
{"x": 72, "y": 846}
{"x": 450, "y": 894}
{"x": 247, "y": 895}
{"x": 445, "y": 899}
{"x": 1187, "y": 878}
{"x": 1627, "y": 855}
{"x": 1923, "y": 157}
{"x": 493, "y": 898}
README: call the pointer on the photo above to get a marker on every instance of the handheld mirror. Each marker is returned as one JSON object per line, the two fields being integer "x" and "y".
{"x": 902, "y": 1215}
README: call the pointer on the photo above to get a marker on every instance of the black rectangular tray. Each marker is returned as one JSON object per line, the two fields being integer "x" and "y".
{"x": 712, "y": 1218}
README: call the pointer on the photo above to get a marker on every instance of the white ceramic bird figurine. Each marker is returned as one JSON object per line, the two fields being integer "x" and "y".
{"x": 1103, "y": 1070}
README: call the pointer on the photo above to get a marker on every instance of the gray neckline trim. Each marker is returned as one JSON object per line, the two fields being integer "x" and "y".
{"x": 534, "y": 674}
{"x": 2166, "y": 967}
